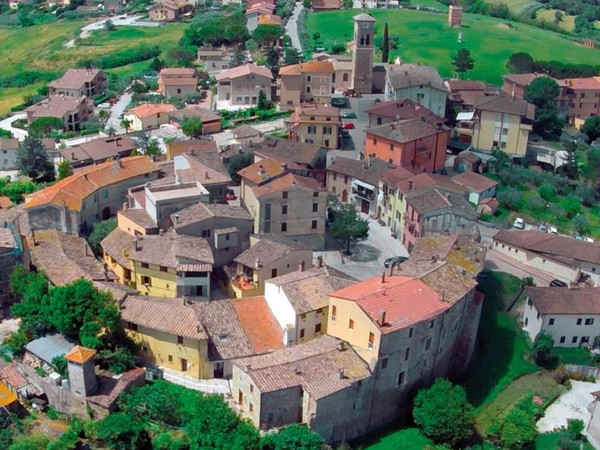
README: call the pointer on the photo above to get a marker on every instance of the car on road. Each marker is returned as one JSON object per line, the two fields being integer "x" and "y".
{"x": 345, "y": 133}
{"x": 588, "y": 239}
{"x": 394, "y": 260}
{"x": 338, "y": 102}
{"x": 230, "y": 195}
{"x": 519, "y": 223}
{"x": 349, "y": 115}
{"x": 120, "y": 116}
{"x": 558, "y": 283}
{"x": 578, "y": 237}
{"x": 348, "y": 126}
{"x": 552, "y": 229}
{"x": 542, "y": 228}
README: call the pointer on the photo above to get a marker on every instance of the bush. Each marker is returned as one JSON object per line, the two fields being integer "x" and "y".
{"x": 542, "y": 347}
{"x": 122, "y": 58}
{"x": 547, "y": 192}
{"x": 571, "y": 206}
{"x": 511, "y": 199}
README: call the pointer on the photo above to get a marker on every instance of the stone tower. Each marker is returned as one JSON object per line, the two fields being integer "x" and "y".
{"x": 362, "y": 59}
{"x": 82, "y": 374}
{"x": 455, "y": 16}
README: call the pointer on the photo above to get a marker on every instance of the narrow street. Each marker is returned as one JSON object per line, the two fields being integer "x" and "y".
{"x": 118, "y": 109}
{"x": 6, "y": 124}
{"x": 291, "y": 27}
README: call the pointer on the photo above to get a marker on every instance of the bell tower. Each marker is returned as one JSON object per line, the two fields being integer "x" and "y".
{"x": 362, "y": 59}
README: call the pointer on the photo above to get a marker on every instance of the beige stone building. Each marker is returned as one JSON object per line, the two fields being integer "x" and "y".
{"x": 316, "y": 124}
{"x": 148, "y": 116}
{"x": 309, "y": 82}
{"x": 240, "y": 86}
{"x": 79, "y": 83}
{"x": 71, "y": 110}
{"x": 362, "y": 61}
{"x": 177, "y": 82}
{"x": 169, "y": 10}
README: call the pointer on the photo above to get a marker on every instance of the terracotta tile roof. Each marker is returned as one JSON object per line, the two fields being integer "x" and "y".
{"x": 206, "y": 168}
{"x": 74, "y": 79}
{"x": 150, "y": 109}
{"x": 74, "y": 189}
{"x": 9, "y": 144}
{"x": 79, "y": 354}
{"x": 405, "y": 300}
{"x": 325, "y": 4}
{"x": 567, "y": 249}
{"x": 396, "y": 175}
{"x": 591, "y": 83}
{"x": 563, "y": 300}
{"x": 261, "y": 8}
{"x": 406, "y": 75}
{"x": 246, "y": 69}
{"x": 202, "y": 211}
{"x": 109, "y": 388}
{"x": 409, "y": 130}
{"x": 269, "y": 19}
{"x": 139, "y": 217}
{"x": 118, "y": 244}
{"x": 504, "y": 103}
{"x": 55, "y": 106}
{"x": 288, "y": 181}
{"x": 266, "y": 251}
{"x": 309, "y": 290}
{"x": 402, "y": 109}
{"x": 245, "y": 131}
{"x": 523, "y": 79}
{"x": 177, "y": 72}
{"x": 367, "y": 170}
{"x": 427, "y": 180}
{"x": 6, "y": 396}
{"x": 435, "y": 200}
{"x": 307, "y": 67}
{"x": 258, "y": 323}
{"x": 100, "y": 149}
{"x": 12, "y": 377}
{"x": 117, "y": 291}
{"x": 180, "y": 147}
{"x": 65, "y": 258}
{"x": 466, "y": 85}
{"x": 285, "y": 150}
{"x": 167, "y": 315}
{"x": 314, "y": 366}
{"x": 173, "y": 250}
{"x": 316, "y": 113}
{"x": 263, "y": 170}
{"x": 474, "y": 181}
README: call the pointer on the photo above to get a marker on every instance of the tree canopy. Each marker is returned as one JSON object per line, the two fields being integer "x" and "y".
{"x": 265, "y": 35}
{"x": 385, "y": 46}
{"x": 191, "y": 126}
{"x": 33, "y": 161}
{"x": 591, "y": 128}
{"x": 347, "y": 225}
{"x": 64, "y": 169}
{"x": 293, "y": 437}
{"x": 43, "y": 126}
{"x": 463, "y": 62}
{"x": 542, "y": 92}
{"x": 99, "y": 232}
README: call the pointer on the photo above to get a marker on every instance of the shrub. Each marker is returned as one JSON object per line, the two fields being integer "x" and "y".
{"x": 122, "y": 58}
{"x": 571, "y": 206}
{"x": 542, "y": 347}
{"x": 511, "y": 199}
{"x": 547, "y": 192}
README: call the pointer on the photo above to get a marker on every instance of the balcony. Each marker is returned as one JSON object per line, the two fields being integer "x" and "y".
{"x": 363, "y": 193}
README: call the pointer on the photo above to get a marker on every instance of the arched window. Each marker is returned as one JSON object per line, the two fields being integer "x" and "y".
{"x": 362, "y": 39}
{"x": 345, "y": 77}
{"x": 367, "y": 39}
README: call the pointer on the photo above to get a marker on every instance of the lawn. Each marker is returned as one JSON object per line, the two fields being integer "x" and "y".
{"x": 573, "y": 355}
{"x": 427, "y": 38}
{"x": 550, "y": 441}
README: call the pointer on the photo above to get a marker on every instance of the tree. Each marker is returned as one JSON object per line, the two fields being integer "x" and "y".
{"x": 511, "y": 199}
{"x": 547, "y": 192}
{"x": 569, "y": 168}
{"x": 153, "y": 148}
{"x": 64, "y": 169}
{"x": 122, "y": 432}
{"x": 109, "y": 26}
{"x": 587, "y": 193}
{"x": 61, "y": 365}
{"x": 43, "y": 126}
{"x": 542, "y": 347}
{"x": 126, "y": 123}
{"x": 443, "y": 413}
{"x": 100, "y": 231}
{"x": 591, "y": 128}
{"x": 463, "y": 62}
{"x": 157, "y": 64}
{"x": 5, "y": 134}
{"x": 33, "y": 161}
{"x": 306, "y": 4}
{"x": 263, "y": 104}
{"x": 191, "y": 126}
{"x": 180, "y": 56}
{"x": 385, "y": 48}
{"x": 272, "y": 58}
{"x": 293, "y": 437}
{"x": 292, "y": 56}
{"x": 348, "y": 4}
{"x": 571, "y": 206}
{"x": 237, "y": 163}
{"x": 518, "y": 429}
{"x": 265, "y": 35}
{"x": 521, "y": 63}
{"x": 348, "y": 226}
{"x": 558, "y": 16}
{"x": 542, "y": 92}
{"x": 582, "y": 224}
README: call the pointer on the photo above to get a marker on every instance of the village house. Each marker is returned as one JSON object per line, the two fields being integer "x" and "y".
{"x": 316, "y": 124}
{"x": 211, "y": 121}
{"x": 515, "y": 84}
{"x": 215, "y": 60}
{"x": 299, "y": 301}
{"x": 71, "y": 110}
{"x": 177, "y": 82}
{"x": 342, "y": 72}
{"x": 255, "y": 12}
{"x": 98, "y": 151}
{"x": 421, "y": 84}
{"x": 303, "y": 157}
{"x": 170, "y": 10}
{"x": 206, "y": 169}
{"x": 9, "y": 148}
{"x": 357, "y": 181}
{"x": 402, "y": 109}
{"x": 177, "y": 147}
{"x": 284, "y": 203}
{"x": 322, "y": 383}
{"x": 267, "y": 258}
{"x": 227, "y": 228}
{"x": 570, "y": 316}
{"x": 480, "y": 188}
{"x": 79, "y": 83}
{"x": 324, "y": 5}
{"x": 467, "y": 161}
{"x": 92, "y": 194}
{"x": 308, "y": 82}
{"x": 463, "y": 93}
{"x": 417, "y": 144}
{"x": 148, "y": 116}
{"x": 246, "y": 134}
{"x": 501, "y": 122}
{"x": 560, "y": 257}
{"x": 584, "y": 97}
{"x": 240, "y": 86}
{"x": 9, "y": 255}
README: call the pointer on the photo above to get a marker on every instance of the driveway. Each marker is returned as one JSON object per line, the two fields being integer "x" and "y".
{"x": 367, "y": 257}
{"x": 118, "y": 21}
{"x": 291, "y": 27}
{"x": 118, "y": 109}
{"x": 6, "y": 124}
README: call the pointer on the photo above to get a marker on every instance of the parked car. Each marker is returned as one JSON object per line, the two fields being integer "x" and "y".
{"x": 348, "y": 126}
{"x": 588, "y": 239}
{"x": 519, "y": 223}
{"x": 552, "y": 229}
{"x": 230, "y": 195}
{"x": 338, "y": 102}
{"x": 558, "y": 283}
{"x": 395, "y": 260}
{"x": 543, "y": 228}
{"x": 345, "y": 133}
{"x": 120, "y": 116}
{"x": 349, "y": 115}
{"x": 578, "y": 237}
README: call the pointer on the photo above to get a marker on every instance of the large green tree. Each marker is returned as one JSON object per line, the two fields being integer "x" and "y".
{"x": 591, "y": 128}
{"x": 518, "y": 429}
{"x": 463, "y": 62}
{"x": 542, "y": 347}
{"x": 64, "y": 169}
{"x": 33, "y": 160}
{"x": 348, "y": 226}
{"x": 293, "y": 437}
{"x": 99, "y": 232}
{"x": 265, "y": 35}
{"x": 122, "y": 432}
{"x": 191, "y": 126}
{"x": 443, "y": 413}
{"x": 542, "y": 92}
{"x": 43, "y": 126}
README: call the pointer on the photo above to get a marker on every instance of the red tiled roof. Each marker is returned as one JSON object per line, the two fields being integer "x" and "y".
{"x": 258, "y": 322}
{"x": 425, "y": 180}
{"x": 149, "y": 109}
{"x": 11, "y": 376}
{"x": 307, "y": 67}
{"x": 262, "y": 170}
{"x": 246, "y": 69}
{"x": 474, "y": 181}
{"x": 287, "y": 181}
{"x": 406, "y": 301}
{"x": 591, "y": 83}
{"x": 79, "y": 354}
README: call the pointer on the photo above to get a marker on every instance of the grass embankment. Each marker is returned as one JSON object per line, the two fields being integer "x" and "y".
{"x": 427, "y": 38}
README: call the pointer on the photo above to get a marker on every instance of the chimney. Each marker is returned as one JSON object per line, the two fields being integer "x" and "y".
{"x": 341, "y": 346}
{"x": 192, "y": 151}
{"x": 411, "y": 185}
{"x": 137, "y": 243}
{"x": 383, "y": 277}
{"x": 320, "y": 261}
{"x": 177, "y": 218}
{"x": 442, "y": 295}
{"x": 85, "y": 249}
{"x": 261, "y": 169}
{"x": 370, "y": 160}
{"x": 206, "y": 175}
{"x": 342, "y": 375}
{"x": 257, "y": 264}
{"x": 301, "y": 266}
{"x": 382, "y": 318}
{"x": 118, "y": 141}
{"x": 125, "y": 206}
{"x": 72, "y": 156}
{"x": 185, "y": 300}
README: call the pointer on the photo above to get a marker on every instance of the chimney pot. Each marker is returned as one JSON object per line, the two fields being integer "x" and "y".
{"x": 382, "y": 317}
{"x": 342, "y": 375}
{"x": 383, "y": 277}
{"x": 176, "y": 218}
{"x": 301, "y": 266}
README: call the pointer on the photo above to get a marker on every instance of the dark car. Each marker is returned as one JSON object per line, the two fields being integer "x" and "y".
{"x": 349, "y": 115}
{"x": 339, "y": 102}
{"x": 558, "y": 283}
{"x": 395, "y": 260}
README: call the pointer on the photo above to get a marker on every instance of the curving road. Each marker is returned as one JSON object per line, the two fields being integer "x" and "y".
{"x": 6, "y": 124}
{"x": 291, "y": 27}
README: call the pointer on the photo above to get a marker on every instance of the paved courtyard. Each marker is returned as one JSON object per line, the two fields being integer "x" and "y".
{"x": 367, "y": 257}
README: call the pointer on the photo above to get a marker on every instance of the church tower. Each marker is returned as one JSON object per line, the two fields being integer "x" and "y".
{"x": 362, "y": 59}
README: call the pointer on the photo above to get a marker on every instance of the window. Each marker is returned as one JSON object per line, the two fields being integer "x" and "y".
{"x": 163, "y": 269}
{"x": 180, "y": 340}
{"x": 170, "y": 358}
{"x": 316, "y": 194}
{"x": 407, "y": 354}
{"x": 251, "y": 407}
{"x": 562, "y": 339}
{"x": 205, "y": 233}
{"x": 284, "y": 209}
{"x": 315, "y": 207}
{"x": 314, "y": 225}
{"x": 579, "y": 321}
{"x": 273, "y": 273}
{"x": 371, "y": 341}
{"x": 284, "y": 195}
{"x": 318, "y": 328}
{"x": 146, "y": 281}
{"x": 351, "y": 324}
{"x": 401, "y": 377}
{"x": 251, "y": 388}
{"x": 589, "y": 321}
{"x": 431, "y": 324}
{"x": 283, "y": 227}
{"x": 320, "y": 311}
{"x": 374, "y": 141}
{"x": 574, "y": 340}
{"x": 427, "y": 344}
{"x": 410, "y": 332}
{"x": 384, "y": 363}
{"x": 551, "y": 322}
{"x": 346, "y": 179}
{"x": 144, "y": 265}
{"x": 391, "y": 147}
{"x": 308, "y": 78}
{"x": 334, "y": 176}
{"x": 379, "y": 121}
{"x": 226, "y": 237}
{"x": 333, "y": 312}
{"x": 308, "y": 89}
{"x": 301, "y": 333}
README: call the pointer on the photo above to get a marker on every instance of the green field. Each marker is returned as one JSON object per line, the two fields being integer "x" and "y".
{"x": 40, "y": 48}
{"x": 426, "y": 38}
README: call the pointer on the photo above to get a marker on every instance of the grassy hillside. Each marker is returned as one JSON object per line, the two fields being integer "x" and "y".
{"x": 426, "y": 38}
